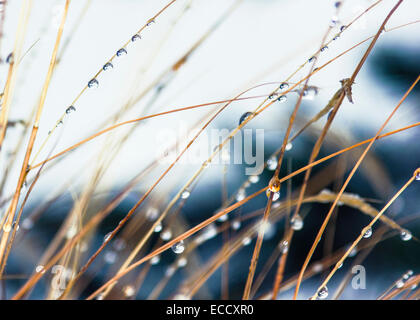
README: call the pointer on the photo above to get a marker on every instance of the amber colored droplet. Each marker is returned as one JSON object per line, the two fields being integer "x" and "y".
{"x": 274, "y": 185}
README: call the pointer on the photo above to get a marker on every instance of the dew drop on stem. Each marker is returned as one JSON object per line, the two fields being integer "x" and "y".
{"x": 178, "y": 247}
{"x": 368, "y": 233}
{"x": 121, "y": 52}
{"x": 323, "y": 293}
{"x": 245, "y": 116}
{"x": 108, "y": 66}
{"x": 70, "y": 109}
{"x": 93, "y": 83}
{"x": 135, "y": 37}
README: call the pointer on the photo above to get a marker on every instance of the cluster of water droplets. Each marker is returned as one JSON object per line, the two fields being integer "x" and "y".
{"x": 401, "y": 281}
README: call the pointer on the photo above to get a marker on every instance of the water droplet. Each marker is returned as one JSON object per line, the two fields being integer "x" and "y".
{"x": 337, "y": 4}
{"x": 297, "y": 223}
{"x": 289, "y": 146}
{"x": 129, "y": 291}
{"x": 241, "y": 195}
{"x": 110, "y": 257}
{"x": 336, "y": 37}
{"x": 317, "y": 267}
{"x": 246, "y": 241}
{"x": 7, "y": 227}
{"x": 310, "y": 93}
{"x": 274, "y": 185}
{"x": 182, "y": 262}
{"x": 325, "y": 48}
{"x": 210, "y": 232}
{"x": 399, "y": 283}
{"x": 418, "y": 176}
{"x": 135, "y": 37}
{"x": 223, "y": 218}
{"x": 150, "y": 22}
{"x": 178, "y": 247}
{"x": 93, "y": 83}
{"x": 108, "y": 66}
{"x": 353, "y": 253}
{"x": 121, "y": 52}
{"x": 334, "y": 21}
{"x": 244, "y": 117}
{"x": 368, "y": 233}
{"x": 282, "y": 99}
{"x": 72, "y": 231}
{"x": 311, "y": 59}
{"x": 166, "y": 235}
{"x": 406, "y": 235}
{"x": 70, "y": 109}
{"x": 107, "y": 236}
{"x": 272, "y": 96}
{"x": 323, "y": 293}
{"x": 284, "y": 86}
{"x": 158, "y": 228}
{"x": 27, "y": 224}
{"x": 155, "y": 260}
{"x": 276, "y": 196}
{"x": 10, "y": 58}
{"x": 40, "y": 269}
{"x": 185, "y": 194}
{"x": 284, "y": 246}
{"x": 342, "y": 28}
{"x": 254, "y": 179}
{"x": 152, "y": 214}
{"x": 59, "y": 124}
{"x": 236, "y": 224}
{"x": 119, "y": 244}
{"x": 272, "y": 163}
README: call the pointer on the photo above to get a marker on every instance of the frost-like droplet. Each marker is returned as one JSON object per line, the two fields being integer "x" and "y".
{"x": 178, "y": 247}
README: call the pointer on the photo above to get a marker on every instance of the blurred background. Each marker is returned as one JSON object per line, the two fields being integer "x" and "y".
{"x": 236, "y": 45}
